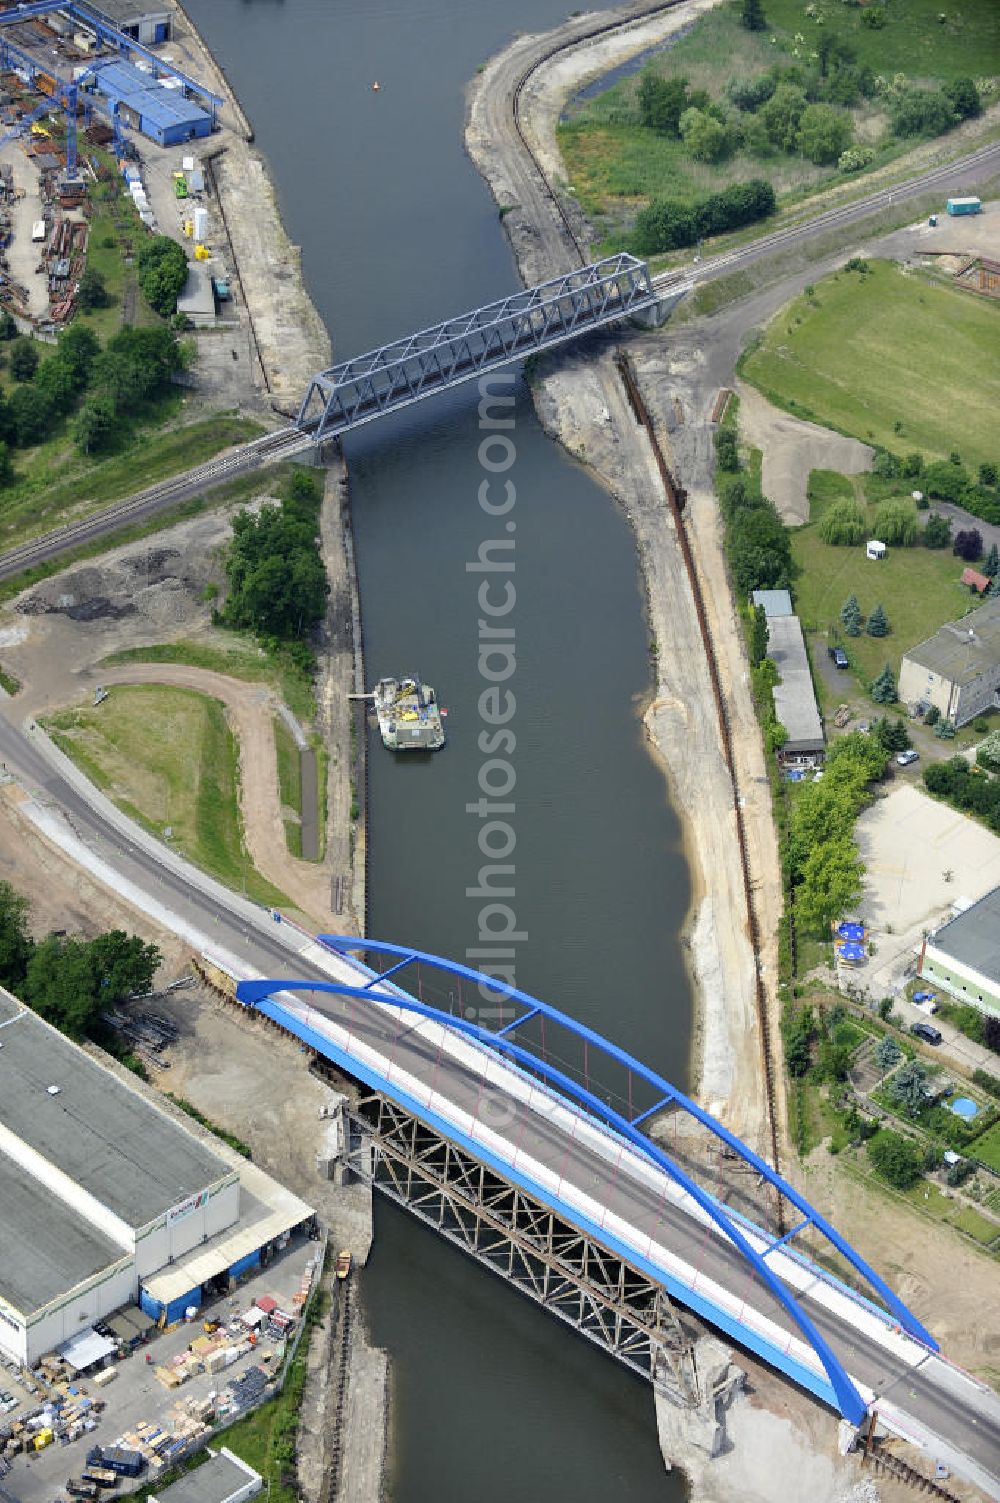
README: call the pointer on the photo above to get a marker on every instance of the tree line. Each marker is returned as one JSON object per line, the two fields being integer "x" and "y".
{"x": 70, "y": 981}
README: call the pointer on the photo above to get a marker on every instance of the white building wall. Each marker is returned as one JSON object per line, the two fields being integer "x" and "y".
{"x": 27, "y": 1340}
{"x": 169, "y": 1238}
{"x": 13, "y": 1334}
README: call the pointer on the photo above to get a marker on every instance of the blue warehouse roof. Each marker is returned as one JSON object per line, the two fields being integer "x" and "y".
{"x": 124, "y": 83}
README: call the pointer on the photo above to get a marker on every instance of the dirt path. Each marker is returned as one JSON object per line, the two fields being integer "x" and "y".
{"x": 791, "y": 448}
{"x": 251, "y": 709}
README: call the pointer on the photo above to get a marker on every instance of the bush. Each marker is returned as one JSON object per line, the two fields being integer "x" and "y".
{"x": 885, "y": 464}
{"x": 705, "y": 137}
{"x": 162, "y": 272}
{"x": 748, "y": 94}
{"x": 726, "y": 452}
{"x": 895, "y": 1158}
{"x": 968, "y": 545}
{"x": 963, "y": 96}
{"x": 666, "y": 224}
{"x": 824, "y": 133}
{"x": 922, "y": 112}
{"x": 23, "y": 359}
{"x": 662, "y": 102}
{"x": 843, "y": 525}
{"x": 937, "y": 532}
{"x": 988, "y": 753}
{"x": 855, "y": 159}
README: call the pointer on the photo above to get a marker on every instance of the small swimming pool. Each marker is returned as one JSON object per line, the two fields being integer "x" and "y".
{"x": 963, "y": 1107}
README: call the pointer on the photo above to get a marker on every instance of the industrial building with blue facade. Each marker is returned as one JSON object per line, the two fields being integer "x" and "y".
{"x": 155, "y": 107}
{"x": 106, "y": 1201}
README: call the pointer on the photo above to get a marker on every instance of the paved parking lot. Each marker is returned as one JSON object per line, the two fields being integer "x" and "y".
{"x": 137, "y": 1394}
{"x": 921, "y": 857}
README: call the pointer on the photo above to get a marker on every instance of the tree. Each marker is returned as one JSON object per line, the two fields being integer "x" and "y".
{"x": 843, "y": 524}
{"x": 663, "y": 225}
{"x": 726, "y": 451}
{"x": 946, "y": 480}
{"x": 891, "y": 734}
{"x": 831, "y": 882}
{"x": 77, "y": 349}
{"x": 705, "y": 137}
{"x": 908, "y": 1087}
{"x": 16, "y": 944}
{"x": 887, "y": 1053}
{"x": 96, "y": 425}
{"x": 6, "y": 465}
{"x": 759, "y": 550}
{"x": 60, "y": 985}
{"x": 662, "y": 102}
{"x": 162, "y": 271}
{"x": 895, "y": 1158}
{"x": 937, "y": 532}
{"x": 782, "y": 113}
{"x": 758, "y": 636}
{"x": 23, "y": 359}
{"x": 964, "y": 98}
{"x": 878, "y": 623}
{"x": 992, "y": 564}
{"x": 824, "y": 132}
{"x": 850, "y": 616}
{"x": 752, "y": 15}
{"x": 912, "y": 465}
{"x": 90, "y": 290}
{"x": 922, "y": 112}
{"x": 8, "y": 326}
{"x": 884, "y": 687}
{"x": 896, "y": 523}
{"x": 30, "y": 413}
{"x": 987, "y": 474}
{"x": 123, "y": 965}
{"x": 968, "y": 545}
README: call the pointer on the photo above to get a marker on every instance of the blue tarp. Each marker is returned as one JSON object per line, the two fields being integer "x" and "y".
{"x": 851, "y": 951}
{"x": 851, "y": 931}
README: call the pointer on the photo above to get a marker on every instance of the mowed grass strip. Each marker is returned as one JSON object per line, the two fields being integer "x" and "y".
{"x": 236, "y": 655}
{"x": 168, "y": 756}
{"x": 868, "y": 352}
{"x": 289, "y": 784}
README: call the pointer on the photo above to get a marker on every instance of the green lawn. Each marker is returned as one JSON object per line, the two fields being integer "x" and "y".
{"x": 54, "y": 483}
{"x": 987, "y": 1147}
{"x": 168, "y": 758}
{"x": 238, "y": 656}
{"x": 868, "y": 353}
{"x": 981, "y": 1228}
{"x": 919, "y": 588}
{"x": 614, "y": 163}
{"x": 289, "y": 783}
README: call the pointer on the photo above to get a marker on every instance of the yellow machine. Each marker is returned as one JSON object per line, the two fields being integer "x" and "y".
{"x": 202, "y": 253}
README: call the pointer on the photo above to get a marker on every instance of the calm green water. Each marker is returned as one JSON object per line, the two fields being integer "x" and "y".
{"x": 492, "y": 1400}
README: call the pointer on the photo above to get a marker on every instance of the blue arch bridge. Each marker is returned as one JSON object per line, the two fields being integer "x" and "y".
{"x": 578, "y": 1173}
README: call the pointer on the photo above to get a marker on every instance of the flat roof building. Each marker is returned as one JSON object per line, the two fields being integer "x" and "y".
{"x": 148, "y": 24}
{"x": 156, "y": 107}
{"x": 963, "y": 956}
{"x": 775, "y": 602}
{"x": 958, "y": 669}
{"x": 224, "y": 1478}
{"x": 101, "y": 1192}
{"x": 794, "y": 698}
{"x": 197, "y": 297}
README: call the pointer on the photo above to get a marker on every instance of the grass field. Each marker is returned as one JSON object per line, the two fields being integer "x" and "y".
{"x": 919, "y": 588}
{"x": 289, "y": 783}
{"x": 54, "y": 483}
{"x": 615, "y": 164}
{"x": 239, "y": 657}
{"x": 987, "y": 1147}
{"x": 892, "y": 358}
{"x": 167, "y": 757}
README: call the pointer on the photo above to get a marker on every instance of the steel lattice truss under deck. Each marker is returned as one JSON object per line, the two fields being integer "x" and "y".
{"x": 459, "y": 349}
{"x": 593, "y": 1290}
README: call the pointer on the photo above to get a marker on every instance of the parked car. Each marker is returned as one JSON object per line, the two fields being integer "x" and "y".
{"x": 839, "y": 657}
{"x": 905, "y": 758}
{"x": 925, "y": 1031}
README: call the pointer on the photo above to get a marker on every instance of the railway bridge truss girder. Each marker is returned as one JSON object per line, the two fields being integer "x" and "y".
{"x": 616, "y": 1306}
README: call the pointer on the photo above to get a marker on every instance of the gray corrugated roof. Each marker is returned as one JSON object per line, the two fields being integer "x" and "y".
{"x": 213, "y": 1482}
{"x": 775, "y": 602}
{"x": 955, "y": 655}
{"x": 130, "y": 12}
{"x": 103, "y": 1135}
{"x": 794, "y": 698}
{"x": 973, "y": 938}
{"x": 46, "y": 1248}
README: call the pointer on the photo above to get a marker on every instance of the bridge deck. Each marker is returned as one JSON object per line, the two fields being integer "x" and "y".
{"x": 455, "y": 351}
{"x": 609, "y": 1189}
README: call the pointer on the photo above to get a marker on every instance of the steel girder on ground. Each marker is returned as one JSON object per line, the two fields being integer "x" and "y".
{"x": 527, "y": 322}
{"x": 617, "y": 1307}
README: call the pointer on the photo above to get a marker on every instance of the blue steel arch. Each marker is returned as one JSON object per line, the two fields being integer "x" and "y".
{"x": 851, "y": 1404}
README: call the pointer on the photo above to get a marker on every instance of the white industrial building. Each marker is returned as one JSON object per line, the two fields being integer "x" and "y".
{"x": 958, "y": 669}
{"x": 106, "y": 1201}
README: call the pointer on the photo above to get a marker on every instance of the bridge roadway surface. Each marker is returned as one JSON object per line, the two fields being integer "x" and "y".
{"x": 931, "y": 1397}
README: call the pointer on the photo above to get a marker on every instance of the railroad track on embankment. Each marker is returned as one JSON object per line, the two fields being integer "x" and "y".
{"x": 151, "y": 502}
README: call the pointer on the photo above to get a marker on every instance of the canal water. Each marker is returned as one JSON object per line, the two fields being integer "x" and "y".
{"x": 492, "y": 1400}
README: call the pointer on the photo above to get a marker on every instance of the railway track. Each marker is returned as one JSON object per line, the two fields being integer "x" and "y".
{"x": 155, "y": 499}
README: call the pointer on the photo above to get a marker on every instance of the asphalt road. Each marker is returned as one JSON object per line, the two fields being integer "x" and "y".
{"x": 970, "y": 1423}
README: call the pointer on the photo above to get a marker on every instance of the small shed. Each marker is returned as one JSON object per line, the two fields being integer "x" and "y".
{"x": 874, "y": 549}
{"x": 975, "y": 581}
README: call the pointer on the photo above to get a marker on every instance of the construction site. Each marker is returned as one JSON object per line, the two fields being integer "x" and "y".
{"x": 94, "y": 121}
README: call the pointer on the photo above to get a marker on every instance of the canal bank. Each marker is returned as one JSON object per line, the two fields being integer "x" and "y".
{"x": 520, "y": 160}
